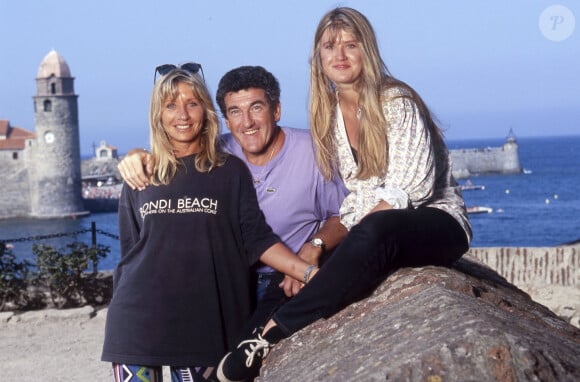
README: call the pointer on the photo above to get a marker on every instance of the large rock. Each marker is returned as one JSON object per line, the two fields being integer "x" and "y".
{"x": 434, "y": 324}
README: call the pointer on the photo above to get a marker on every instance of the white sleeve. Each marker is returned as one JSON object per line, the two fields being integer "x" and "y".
{"x": 411, "y": 169}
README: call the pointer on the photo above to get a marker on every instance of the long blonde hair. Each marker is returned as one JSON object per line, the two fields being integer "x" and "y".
{"x": 164, "y": 159}
{"x": 371, "y": 86}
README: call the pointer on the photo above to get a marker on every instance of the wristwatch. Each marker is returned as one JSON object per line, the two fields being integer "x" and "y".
{"x": 318, "y": 242}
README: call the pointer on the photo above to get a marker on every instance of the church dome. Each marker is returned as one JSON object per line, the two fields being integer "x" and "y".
{"x": 53, "y": 64}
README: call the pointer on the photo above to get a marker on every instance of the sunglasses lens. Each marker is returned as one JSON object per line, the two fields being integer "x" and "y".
{"x": 191, "y": 67}
{"x": 164, "y": 69}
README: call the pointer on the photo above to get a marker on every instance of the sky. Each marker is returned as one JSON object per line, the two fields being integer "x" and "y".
{"x": 482, "y": 66}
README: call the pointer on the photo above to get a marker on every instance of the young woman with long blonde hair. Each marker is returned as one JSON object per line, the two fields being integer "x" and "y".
{"x": 404, "y": 208}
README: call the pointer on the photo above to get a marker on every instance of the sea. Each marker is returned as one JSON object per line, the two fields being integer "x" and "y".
{"x": 537, "y": 208}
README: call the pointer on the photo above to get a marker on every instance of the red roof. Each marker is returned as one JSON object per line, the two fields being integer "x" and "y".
{"x": 14, "y": 137}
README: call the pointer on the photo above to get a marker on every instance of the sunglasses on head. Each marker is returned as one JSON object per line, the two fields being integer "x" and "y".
{"x": 191, "y": 67}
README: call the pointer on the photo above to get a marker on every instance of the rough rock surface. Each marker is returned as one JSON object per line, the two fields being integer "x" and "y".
{"x": 434, "y": 324}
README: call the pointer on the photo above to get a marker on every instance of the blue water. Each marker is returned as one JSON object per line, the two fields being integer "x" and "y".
{"x": 25, "y": 229}
{"x": 541, "y": 208}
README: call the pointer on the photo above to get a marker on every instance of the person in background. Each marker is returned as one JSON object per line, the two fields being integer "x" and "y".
{"x": 300, "y": 205}
{"x": 404, "y": 208}
{"x": 181, "y": 295}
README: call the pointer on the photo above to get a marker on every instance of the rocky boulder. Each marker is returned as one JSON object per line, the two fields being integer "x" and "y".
{"x": 433, "y": 324}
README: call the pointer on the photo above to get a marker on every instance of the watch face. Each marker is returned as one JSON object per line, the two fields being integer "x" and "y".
{"x": 49, "y": 137}
{"x": 317, "y": 242}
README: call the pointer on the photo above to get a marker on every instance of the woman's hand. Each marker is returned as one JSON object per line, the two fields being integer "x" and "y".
{"x": 311, "y": 255}
{"x": 135, "y": 168}
{"x": 291, "y": 286}
{"x": 381, "y": 206}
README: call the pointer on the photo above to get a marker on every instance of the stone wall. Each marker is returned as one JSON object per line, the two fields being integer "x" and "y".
{"x": 15, "y": 190}
{"x": 536, "y": 265}
{"x": 503, "y": 160}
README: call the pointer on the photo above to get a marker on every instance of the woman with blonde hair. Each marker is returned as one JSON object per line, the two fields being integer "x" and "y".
{"x": 182, "y": 289}
{"x": 404, "y": 208}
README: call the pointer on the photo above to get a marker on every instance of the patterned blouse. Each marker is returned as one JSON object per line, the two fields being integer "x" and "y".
{"x": 419, "y": 174}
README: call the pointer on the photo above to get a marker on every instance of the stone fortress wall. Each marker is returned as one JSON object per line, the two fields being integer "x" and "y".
{"x": 533, "y": 265}
{"x": 549, "y": 275}
{"x": 501, "y": 160}
{"x": 14, "y": 187}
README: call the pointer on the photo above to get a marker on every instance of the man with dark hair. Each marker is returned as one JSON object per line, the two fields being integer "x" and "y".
{"x": 291, "y": 191}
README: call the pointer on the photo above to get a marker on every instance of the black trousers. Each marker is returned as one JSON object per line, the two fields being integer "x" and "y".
{"x": 380, "y": 244}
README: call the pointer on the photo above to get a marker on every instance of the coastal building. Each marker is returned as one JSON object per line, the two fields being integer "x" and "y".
{"x": 99, "y": 171}
{"x": 105, "y": 152}
{"x": 42, "y": 169}
{"x": 101, "y": 179}
{"x": 500, "y": 160}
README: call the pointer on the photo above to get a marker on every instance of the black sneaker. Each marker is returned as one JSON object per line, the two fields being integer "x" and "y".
{"x": 245, "y": 361}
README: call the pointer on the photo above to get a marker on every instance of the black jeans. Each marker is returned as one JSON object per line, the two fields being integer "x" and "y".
{"x": 380, "y": 244}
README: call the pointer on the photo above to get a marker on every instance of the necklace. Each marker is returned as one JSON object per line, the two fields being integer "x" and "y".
{"x": 258, "y": 178}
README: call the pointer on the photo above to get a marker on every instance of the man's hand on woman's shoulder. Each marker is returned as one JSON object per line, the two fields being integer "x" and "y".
{"x": 135, "y": 168}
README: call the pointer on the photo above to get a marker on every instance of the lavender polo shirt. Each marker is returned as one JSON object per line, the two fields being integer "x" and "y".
{"x": 291, "y": 192}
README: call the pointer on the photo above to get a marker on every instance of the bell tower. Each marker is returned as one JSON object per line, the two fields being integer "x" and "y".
{"x": 56, "y": 181}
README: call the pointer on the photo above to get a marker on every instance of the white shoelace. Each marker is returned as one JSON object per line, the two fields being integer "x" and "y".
{"x": 256, "y": 344}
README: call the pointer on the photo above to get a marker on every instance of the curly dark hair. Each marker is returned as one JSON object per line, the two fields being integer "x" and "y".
{"x": 246, "y": 77}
